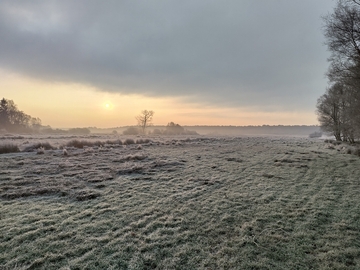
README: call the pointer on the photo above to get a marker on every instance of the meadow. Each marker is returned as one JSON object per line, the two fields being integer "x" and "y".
{"x": 180, "y": 203}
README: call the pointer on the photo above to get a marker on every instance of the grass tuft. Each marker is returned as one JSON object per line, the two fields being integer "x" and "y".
{"x": 82, "y": 143}
{"x": 143, "y": 141}
{"x": 114, "y": 142}
{"x": 9, "y": 148}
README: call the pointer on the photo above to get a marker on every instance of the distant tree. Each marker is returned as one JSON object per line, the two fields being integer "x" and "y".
{"x": 35, "y": 123}
{"x": 173, "y": 128}
{"x": 144, "y": 119}
{"x": 157, "y": 131}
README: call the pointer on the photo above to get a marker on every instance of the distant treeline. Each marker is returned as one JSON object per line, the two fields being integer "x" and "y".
{"x": 296, "y": 130}
{"x": 74, "y": 131}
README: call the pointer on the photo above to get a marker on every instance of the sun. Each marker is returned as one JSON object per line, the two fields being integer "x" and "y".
{"x": 108, "y": 106}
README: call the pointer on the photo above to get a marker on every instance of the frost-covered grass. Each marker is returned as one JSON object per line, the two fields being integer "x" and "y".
{"x": 242, "y": 203}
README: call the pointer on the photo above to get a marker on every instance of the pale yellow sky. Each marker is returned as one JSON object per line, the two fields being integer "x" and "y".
{"x": 62, "y": 105}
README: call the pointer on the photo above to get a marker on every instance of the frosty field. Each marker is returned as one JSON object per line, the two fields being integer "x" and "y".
{"x": 181, "y": 203}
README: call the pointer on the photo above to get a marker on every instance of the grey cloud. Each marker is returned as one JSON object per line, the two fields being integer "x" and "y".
{"x": 233, "y": 53}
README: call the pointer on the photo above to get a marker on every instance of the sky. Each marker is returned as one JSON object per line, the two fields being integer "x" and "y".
{"x": 92, "y": 63}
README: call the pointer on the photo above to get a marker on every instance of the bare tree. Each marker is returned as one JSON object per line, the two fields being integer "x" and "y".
{"x": 339, "y": 108}
{"x": 357, "y": 2}
{"x": 329, "y": 112}
{"x": 342, "y": 31}
{"x": 338, "y": 112}
{"x": 144, "y": 119}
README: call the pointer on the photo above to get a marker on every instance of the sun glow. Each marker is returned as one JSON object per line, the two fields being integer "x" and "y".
{"x": 108, "y": 106}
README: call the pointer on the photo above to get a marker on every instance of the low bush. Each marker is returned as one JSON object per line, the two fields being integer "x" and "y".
{"x": 316, "y": 134}
{"x": 119, "y": 142}
{"x": 142, "y": 141}
{"x": 131, "y": 131}
{"x": 9, "y": 148}
{"x": 45, "y": 146}
{"x": 129, "y": 141}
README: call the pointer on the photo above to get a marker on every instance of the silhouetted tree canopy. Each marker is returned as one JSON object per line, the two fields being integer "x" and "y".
{"x": 14, "y": 120}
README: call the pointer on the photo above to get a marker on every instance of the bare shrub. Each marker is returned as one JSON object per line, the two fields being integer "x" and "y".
{"x": 9, "y": 148}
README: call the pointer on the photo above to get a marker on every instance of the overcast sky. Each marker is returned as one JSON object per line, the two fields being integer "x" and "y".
{"x": 264, "y": 55}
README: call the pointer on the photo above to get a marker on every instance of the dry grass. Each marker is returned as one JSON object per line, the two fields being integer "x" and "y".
{"x": 251, "y": 203}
